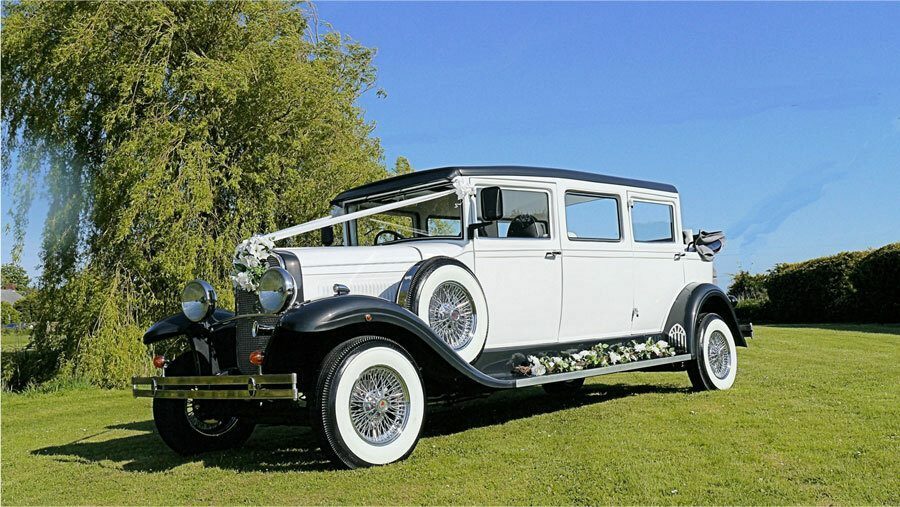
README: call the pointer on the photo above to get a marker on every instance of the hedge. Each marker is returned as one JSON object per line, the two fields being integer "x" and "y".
{"x": 847, "y": 287}
{"x": 877, "y": 282}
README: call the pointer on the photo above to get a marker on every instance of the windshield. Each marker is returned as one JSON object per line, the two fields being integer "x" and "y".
{"x": 437, "y": 218}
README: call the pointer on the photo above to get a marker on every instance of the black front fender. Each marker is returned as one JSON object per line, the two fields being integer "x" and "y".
{"x": 333, "y": 313}
{"x": 177, "y": 325}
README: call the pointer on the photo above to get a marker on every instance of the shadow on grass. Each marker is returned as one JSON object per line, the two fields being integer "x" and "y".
{"x": 855, "y": 328}
{"x": 285, "y": 448}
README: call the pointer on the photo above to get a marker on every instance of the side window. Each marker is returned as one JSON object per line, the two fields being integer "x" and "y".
{"x": 591, "y": 217}
{"x": 653, "y": 222}
{"x": 526, "y": 214}
{"x": 444, "y": 226}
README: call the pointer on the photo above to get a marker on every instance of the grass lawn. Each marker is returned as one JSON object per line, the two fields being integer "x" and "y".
{"x": 14, "y": 340}
{"x": 814, "y": 418}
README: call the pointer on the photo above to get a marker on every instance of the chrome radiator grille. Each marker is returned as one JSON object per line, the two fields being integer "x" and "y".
{"x": 247, "y": 303}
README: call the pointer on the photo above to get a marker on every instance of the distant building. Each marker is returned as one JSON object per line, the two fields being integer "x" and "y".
{"x": 10, "y": 296}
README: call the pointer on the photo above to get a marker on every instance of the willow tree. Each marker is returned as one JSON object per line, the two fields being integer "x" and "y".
{"x": 162, "y": 134}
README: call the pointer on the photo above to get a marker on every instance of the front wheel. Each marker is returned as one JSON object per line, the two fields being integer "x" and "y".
{"x": 369, "y": 405}
{"x": 188, "y": 426}
{"x": 715, "y": 366}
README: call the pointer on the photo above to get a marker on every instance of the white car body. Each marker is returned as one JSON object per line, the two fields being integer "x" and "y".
{"x": 592, "y": 289}
{"x": 448, "y": 284}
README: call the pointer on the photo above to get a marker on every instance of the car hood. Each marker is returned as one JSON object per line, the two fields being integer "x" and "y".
{"x": 368, "y": 270}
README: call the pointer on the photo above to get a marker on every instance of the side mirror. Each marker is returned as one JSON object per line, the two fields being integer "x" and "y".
{"x": 327, "y": 235}
{"x": 491, "y": 204}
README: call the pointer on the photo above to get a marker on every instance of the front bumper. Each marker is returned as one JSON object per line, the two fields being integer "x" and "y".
{"x": 232, "y": 387}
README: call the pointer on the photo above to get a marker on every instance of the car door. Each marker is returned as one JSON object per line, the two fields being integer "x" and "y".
{"x": 517, "y": 262}
{"x": 657, "y": 252}
{"x": 597, "y": 264}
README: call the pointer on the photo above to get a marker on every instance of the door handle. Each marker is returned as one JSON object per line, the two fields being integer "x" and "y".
{"x": 679, "y": 255}
{"x": 552, "y": 255}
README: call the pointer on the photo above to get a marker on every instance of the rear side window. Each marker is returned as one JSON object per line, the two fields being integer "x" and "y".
{"x": 526, "y": 214}
{"x": 591, "y": 217}
{"x": 653, "y": 222}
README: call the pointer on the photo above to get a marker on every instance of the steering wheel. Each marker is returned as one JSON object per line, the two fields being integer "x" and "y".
{"x": 384, "y": 234}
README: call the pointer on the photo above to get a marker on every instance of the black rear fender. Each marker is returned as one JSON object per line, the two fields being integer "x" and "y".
{"x": 699, "y": 298}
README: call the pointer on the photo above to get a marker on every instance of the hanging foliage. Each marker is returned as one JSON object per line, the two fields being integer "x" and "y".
{"x": 163, "y": 134}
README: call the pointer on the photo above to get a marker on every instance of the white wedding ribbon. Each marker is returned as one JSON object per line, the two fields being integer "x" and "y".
{"x": 464, "y": 188}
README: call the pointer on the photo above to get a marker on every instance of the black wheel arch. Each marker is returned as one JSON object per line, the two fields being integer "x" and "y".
{"x": 306, "y": 334}
{"x": 408, "y": 290}
{"x": 199, "y": 337}
{"x": 699, "y": 298}
{"x": 178, "y": 325}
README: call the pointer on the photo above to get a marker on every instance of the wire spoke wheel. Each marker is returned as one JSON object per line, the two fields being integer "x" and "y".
{"x": 719, "y": 355}
{"x": 204, "y": 424}
{"x": 379, "y": 405}
{"x": 452, "y": 314}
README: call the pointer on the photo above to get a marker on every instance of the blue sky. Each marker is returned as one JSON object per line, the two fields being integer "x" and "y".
{"x": 779, "y": 123}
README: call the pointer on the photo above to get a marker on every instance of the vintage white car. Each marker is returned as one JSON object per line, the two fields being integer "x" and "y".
{"x": 446, "y": 284}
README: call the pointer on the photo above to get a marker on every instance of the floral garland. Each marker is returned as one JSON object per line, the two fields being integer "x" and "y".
{"x": 598, "y": 356}
{"x": 249, "y": 262}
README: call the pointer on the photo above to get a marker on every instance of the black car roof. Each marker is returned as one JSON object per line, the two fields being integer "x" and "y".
{"x": 428, "y": 176}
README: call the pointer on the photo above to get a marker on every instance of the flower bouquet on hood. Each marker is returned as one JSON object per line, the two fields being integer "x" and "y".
{"x": 249, "y": 262}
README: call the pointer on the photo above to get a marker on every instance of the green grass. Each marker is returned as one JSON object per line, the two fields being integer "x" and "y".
{"x": 14, "y": 340}
{"x": 814, "y": 418}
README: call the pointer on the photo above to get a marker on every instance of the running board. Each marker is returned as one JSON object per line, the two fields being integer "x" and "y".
{"x": 593, "y": 372}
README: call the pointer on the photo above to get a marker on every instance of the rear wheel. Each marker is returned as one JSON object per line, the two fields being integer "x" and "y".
{"x": 369, "y": 404}
{"x": 715, "y": 365}
{"x": 187, "y": 427}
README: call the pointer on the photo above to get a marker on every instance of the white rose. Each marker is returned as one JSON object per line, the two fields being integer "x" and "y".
{"x": 244, "y": 281}
{"x": 538, "y": 369}
{"x": 241, "y": 247}
{"x": 614, "y": 358}
{"x": 249, "y": 261}
{"x": 662, "y": 344}
{"x": 640, "y": 347}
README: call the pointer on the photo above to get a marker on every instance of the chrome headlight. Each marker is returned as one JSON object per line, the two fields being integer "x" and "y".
{"x": 198, "y": 300}
{"x": 277, "y": 290}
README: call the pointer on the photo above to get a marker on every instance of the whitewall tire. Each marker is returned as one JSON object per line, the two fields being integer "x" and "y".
{"x": 715, "y": 366}
{"x": 447, "y": 296}
{"x": 369, "y": 406}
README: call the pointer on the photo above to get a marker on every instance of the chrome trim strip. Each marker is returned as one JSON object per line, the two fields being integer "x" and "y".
{"x": 222, "y": 394}
{"x": 220, "y": 380}
{"x": 593, "y": 372}
{"x": 218, "y": 386}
